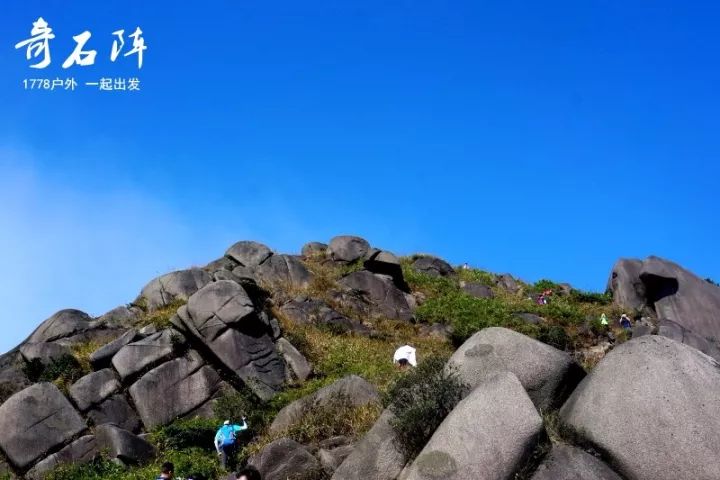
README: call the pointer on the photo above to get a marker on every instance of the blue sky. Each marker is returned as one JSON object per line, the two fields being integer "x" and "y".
{"x": 545, "y": 139}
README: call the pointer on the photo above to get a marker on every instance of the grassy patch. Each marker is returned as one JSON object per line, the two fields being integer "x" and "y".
{"x": 160, "y": 318}
{"x": 63, "y": 371}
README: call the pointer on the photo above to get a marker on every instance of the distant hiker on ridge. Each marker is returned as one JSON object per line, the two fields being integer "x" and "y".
{"x": 226, "y": 442}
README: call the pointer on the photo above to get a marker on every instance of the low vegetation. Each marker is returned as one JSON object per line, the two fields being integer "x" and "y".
{"x": 420, "y": 400}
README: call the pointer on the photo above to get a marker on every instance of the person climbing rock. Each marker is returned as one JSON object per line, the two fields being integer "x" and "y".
{"x": 226, "y": 442}
{"x": 405, "y": 356}
{"x": 625, "y": 322}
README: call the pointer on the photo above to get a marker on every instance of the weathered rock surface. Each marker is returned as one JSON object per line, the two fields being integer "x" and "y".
{"x": 434, "y": 266}
{"x": 223, "y": 318}
{"x": 530, "y": 318}
{"x": 477, "y": 290}
{"x": 174, "y": 389}
{"x": 376, "y": 456}
{"x": 248, "y": 253}
{"x": 547, "y": 374}
{"x": 115, "y": 410}
{"x": 386, "y": 263}
{"x": 122, "y": 316}
{"x": 82, "y": 450}
{"x": 348, "y": 248}
{"x": 103, "y": 355}
{"x": 353, "y": 389}
{"x": 64, "y": 323}
{"x": 284, "y": 458}
{"x": 305, "y": 311}
{"x": 673, "y": 292}
{"x": 330, "y": 459}
{"x": 508, "y": 283}
{"x": 45, "y": 352}
{"x": 94, "y": 388}
{"x": 136, "y": 356}
{"x": 123, "y": 445}
{"x": 298, "y": 364}
{"x": 36, "y": 420}
{"x": 285, "y": 271}
{"x": 173, "y": 286}
{"x": 670, "y": 329}
{"x": 489, "y": 435}
{"x": 565, "y": 462}
{"x": 652, "y": 405}
{"x": 389, "y": 300}
{"x": 312, "y": 249}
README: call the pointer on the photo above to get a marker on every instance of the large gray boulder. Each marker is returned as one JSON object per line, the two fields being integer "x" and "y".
{"x": 671, "y": 329}
{"x": 433, "y": 266}
{"x": 673, "y": 292}
{"x": 248, "y": 253}
{"x": 300, "y": 367}
{"x": 12, "y": 374}
{"x": 477, "y": 290}
{"x": 547, "y": 374}
{"x": 284, "y": 458}
{"x": 122, "y": 316}
{"x": 565, "y": 462}
{"x": 348, "y": 248}
{"x": 82, "y": 450}
{"x": 304, "y": 311}
{"x": 625, "y": 284}
{"x": 285, "y": 271}
{"x": 376, "y": 456}
{"x": 44, "y": 352}
{"x": 652, "y": 405}
{"x": 115, "y": 410}
{"x": 389, "y": 300}
{"x": 352, "y": 389}
{"x": 174, "y": 389}
{"x": 93, "y": 388}
{"x": 123, "y": 445}
{"x": 173, "y": 286}
{"x": 62, "y": 324}
{"x": 135, "y": 357}
{"x": 313, "y": 249}
{"x": 386, "y": 263}
{"x": 222, "y": 317}
{"x": 35, "y": 421}
{"x": 103, "y": 355}
{"x": 489, "y": 435}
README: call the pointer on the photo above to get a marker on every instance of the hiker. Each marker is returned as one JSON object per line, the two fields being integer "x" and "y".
{"x": 603, "y": 321}
{"x": 226, "y": 442}
{"x": 625, "y": 322}
{"x": 249, "y": 473}
{"x": 466, "y": 266}
{"x": 167, "y": 471}
{"x": 405, "y": 356}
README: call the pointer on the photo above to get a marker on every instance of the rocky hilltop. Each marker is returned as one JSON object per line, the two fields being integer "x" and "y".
{"x": 303, "y": 345}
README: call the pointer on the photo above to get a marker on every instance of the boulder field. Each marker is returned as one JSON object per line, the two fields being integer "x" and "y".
{"x": 649, "y": 410}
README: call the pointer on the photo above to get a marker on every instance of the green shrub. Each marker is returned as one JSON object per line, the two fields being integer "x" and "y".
{"x": 420, "y": 400}
{"x": 193, "y": 433}
{"x": 554, "y": 336}
{"x": 591, "y": 297}
{"x": 428, "y": 284}
{"x": 65, "y": 369}
{"x": 544, "y": 284}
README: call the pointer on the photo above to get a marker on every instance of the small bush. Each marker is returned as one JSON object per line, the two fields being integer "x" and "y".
{"x": 477, "y": 276}
{"x": 420, "y": 400}
{"x": 194, "y": 433}
{"x": 554, "y": 336}
{"x": 339, "y": 417}
{"x": 161, "y": 317}
{"x": 544, "y": 284}
{"x": 591, "y": 297}
{"x": 64, "y": 370}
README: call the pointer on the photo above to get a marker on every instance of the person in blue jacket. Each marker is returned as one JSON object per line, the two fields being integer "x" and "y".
{"x": 226, "y": 442}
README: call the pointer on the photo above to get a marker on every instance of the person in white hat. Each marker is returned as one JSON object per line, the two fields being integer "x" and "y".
{"x": 405, "y": 356}
{"x": 226, "y": 442}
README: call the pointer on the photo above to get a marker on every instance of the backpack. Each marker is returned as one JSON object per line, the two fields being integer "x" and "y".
{"x": 227, "y": 432}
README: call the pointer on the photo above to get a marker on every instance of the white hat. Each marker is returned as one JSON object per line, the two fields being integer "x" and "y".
{"x": 227, "y": 422}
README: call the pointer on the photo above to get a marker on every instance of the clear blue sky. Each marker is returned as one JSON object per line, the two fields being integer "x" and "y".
{"x": 545, "y": 139}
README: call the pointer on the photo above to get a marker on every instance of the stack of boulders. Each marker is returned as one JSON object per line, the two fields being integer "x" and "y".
{"x": 223, "y": 336}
